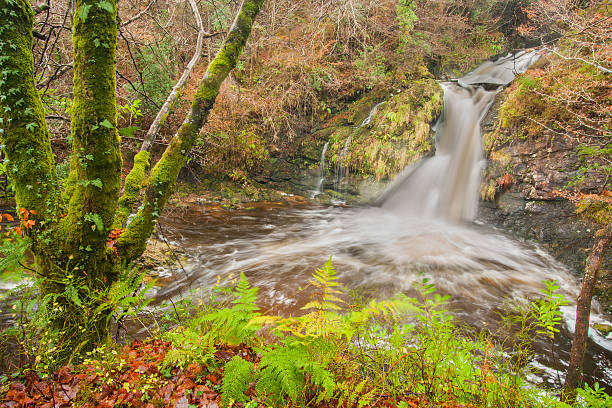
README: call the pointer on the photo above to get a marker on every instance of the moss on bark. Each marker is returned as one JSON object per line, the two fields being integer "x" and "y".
{"x": 131, "y": 188}
{"x": 96, "y": 163}
{"x": 161, "y": 183}
{"x": 23, "y": 130}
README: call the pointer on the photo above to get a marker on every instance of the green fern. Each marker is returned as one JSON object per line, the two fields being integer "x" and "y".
{"x": 13, "y": 252}
{"x": 288, "y": 371}
{"x": 236, "y": 380}
{"x": 325, "y": 303}
{"x": 325, "y": 279}
{"x": 235, "y": 325}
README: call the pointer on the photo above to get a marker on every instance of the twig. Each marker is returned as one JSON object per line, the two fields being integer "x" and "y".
{"x": 140, "y": 14}
{"x": 162, "y": 114}
{"x": 593, "y": 64}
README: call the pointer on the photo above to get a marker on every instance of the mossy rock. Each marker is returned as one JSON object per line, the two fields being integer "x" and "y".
{"x": 399, "y": 132}
{"x": 159, "y": 254}
{"x": 604, "y": 329}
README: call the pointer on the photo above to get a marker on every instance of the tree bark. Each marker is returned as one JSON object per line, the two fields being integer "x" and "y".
{"x": 75, "y": 268}
{"x": 583, "y": 311}
{"x": 134, "y": 180}
{"x": 160, "y": 184}
{"x": 164, "y": 111}
{"x": 23, "y": 130}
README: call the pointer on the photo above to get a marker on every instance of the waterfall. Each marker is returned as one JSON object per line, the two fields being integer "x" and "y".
{"x": 322, "y": 170}
{"x": 340, "y": 168}
{"x": 446, "y": 186}
{"x": 373, "y": 111}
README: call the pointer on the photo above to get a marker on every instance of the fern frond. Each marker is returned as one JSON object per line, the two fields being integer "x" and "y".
{"x": 13, "y": 253}
{"x": 290, "y": 369}
{"x": 238, "y": 323}
{"x": 280, "y": 375}
{"x": 324, "y": 303}
{"x": 236, "y": 380}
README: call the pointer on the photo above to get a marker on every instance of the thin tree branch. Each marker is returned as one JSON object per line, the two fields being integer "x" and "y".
{"x": 591, "y": 63}
{"x": 162, "y": 114}
{"x": 140, "y": 14}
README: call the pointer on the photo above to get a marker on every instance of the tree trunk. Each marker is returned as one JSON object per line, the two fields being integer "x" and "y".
{"x": 75, "y": 267}
{"x": 583, "y": 311}
{"x": 23, "y": 130}
{"x": 160, "y": 184}
{"x": 81, "y": 269}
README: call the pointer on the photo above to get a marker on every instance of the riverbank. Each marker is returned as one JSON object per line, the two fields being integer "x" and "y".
{"x": 330, "y": 356}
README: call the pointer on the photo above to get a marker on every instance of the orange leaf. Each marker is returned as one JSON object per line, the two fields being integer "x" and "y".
{"x": 32, "y": 212}
{"x": 9, "y": 217}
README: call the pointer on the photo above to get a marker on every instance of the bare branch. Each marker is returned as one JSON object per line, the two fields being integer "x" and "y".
{"x": 140, "y": 14}
{"x": 178, "y": 87}
{"x": 591, "y": 63}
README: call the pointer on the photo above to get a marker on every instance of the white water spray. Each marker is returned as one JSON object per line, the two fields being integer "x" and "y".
{"x": 446, "y": 185}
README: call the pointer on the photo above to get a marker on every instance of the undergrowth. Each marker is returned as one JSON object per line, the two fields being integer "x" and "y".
{"x": 341, "y": 352}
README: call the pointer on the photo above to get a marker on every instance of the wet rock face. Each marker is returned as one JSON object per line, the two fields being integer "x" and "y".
{"x": 545, "y": 164}
{"x": 527, "y": 206}
{"x": 553, "y": 224}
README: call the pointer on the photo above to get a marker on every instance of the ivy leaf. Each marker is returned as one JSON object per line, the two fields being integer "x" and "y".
{"x": 96, "y": 220}
{"x": 105, "y": 5}
{"x": 31, "y": 126}
{"x": 97, "y": 183}
{"x": 106, "y": 124}
{"x": 84, "y": 11}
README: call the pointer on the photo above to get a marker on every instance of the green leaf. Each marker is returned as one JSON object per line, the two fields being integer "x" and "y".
{"x": 106, "y": 124}
{"x": 128, "y": 131}
{"x": 73, "y": 295}
{"x": 96, "y": 220}
{"x": 84, "y": 11}
{"x": 105, "y": 5}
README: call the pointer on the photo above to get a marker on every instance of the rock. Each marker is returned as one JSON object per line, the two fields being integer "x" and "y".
{"x": 604, "y": 329}
{"x": 160, "y": 254}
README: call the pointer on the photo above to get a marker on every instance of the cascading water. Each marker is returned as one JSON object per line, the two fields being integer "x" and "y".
{"x": 446, "y": 185}
{"x": 381, "y": 252}
{"x": 340, "y": 168}
{"x": 373, "y": 111}
{"x": 322, "y": 170}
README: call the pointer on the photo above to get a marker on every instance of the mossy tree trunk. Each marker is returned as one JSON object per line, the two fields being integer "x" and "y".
{"x": 74, "y": 264}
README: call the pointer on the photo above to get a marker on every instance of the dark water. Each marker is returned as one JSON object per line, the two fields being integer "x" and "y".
{"x": 377, "y": 253}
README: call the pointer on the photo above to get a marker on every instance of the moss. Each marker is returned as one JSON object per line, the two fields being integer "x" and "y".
{"x": 23, "y": 130}
{"x": 96, "y": 162}
{"x": 163, "y": 177}
{"x": 398, "y": 134}
{"x": 131, "y": 190}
